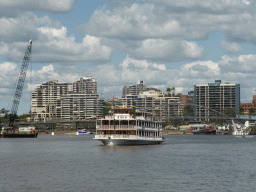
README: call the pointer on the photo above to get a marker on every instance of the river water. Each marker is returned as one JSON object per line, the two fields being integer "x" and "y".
{"x": 78, "y": 163}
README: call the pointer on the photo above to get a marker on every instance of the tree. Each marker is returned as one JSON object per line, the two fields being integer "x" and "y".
{"x": 241, "y": 110}
{"x": 253, "y": 130}
{"x": 175, "y": 123}
{"x": 173, "y": 91}
{"x": 230, "y": 111}
{"x": 188, "y": 110}
{"x": 168, "y": 90}
{"x": 4, "y": 111}
{"x": 251, "y": 111}
{"x": 24, "y": 116}
{"x": 219, "y": 122}
{"x": 108, "y": 107}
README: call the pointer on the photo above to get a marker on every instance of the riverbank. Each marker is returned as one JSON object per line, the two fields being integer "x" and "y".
{"x": 177, "y": 132}
{"x": 165, "y": 132}
{"x": 57, "y": 132}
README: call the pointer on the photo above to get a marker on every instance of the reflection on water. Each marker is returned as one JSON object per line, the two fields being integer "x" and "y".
{"x": 78, "y": 163}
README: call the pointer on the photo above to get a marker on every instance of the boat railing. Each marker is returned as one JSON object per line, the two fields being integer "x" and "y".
{"x": 127, "y": 137}
{"x": 116, "y": 127}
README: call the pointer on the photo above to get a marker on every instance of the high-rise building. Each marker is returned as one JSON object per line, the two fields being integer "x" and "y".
{"x": 130, "y": 93}
{"x": 151, "y": 100}
{"x": 217, "y": 97}
{"x": 70, "y": 101}
{"x": 158, "y": 106}
{"x": 87, "y": 85}
{"x": 79, "y": 106}
{"x": 136, "y": 89}
{"x": 44, "y": 99}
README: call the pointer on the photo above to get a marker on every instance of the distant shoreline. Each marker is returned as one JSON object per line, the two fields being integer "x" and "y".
{"x": 165, "y": 132}
{"x": 177, "y": 132}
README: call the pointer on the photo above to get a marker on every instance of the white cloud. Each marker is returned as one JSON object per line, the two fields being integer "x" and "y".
{"x": 7, "y": 67}
{"x": 175, "y": 20}
{"x": 50, "y": 6}
{"x": 200, "y": 70}
{"x": 247, "y": 2}
{"x": 231, "y": 47}
{"x": 23, "y": 27}
{"x": 132, "y": 22}
{"x": 242, "y": 64}
{"x": 53, "y": 45}
{"x": 160, "y": 50}
{"x": 202, "y": 6}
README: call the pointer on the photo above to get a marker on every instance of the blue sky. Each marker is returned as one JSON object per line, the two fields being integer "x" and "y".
{"x": 165, "y": 43}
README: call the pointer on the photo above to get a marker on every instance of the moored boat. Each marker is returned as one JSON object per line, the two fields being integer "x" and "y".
{"x": 9, "y": 132}
{"x": 128, "y": 127}
{"x": 203, "y": 129}
{"x": 84, "y": 131}
{"x": 20, "y": 135}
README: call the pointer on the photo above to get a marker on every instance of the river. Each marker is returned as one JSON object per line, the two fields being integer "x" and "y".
{"x": 78, "y": 163}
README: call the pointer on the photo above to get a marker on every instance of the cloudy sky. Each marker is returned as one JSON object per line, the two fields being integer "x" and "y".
{"x": 165, "y": 43}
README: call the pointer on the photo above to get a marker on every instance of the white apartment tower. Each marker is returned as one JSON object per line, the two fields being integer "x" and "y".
{"x": 87, "y": 85}
{"x": 79, "y": 106}
{"x": 44, "y": 99}
{"x": 157, "y": 106}
{"x": 217, "y": 97}
{"x": 68, "y": 101}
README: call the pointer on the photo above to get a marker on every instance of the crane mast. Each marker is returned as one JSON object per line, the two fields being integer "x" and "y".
{"x": 20, "y": 83}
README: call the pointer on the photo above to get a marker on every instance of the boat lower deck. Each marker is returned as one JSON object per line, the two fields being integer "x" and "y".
{"x": 20, "y": 135}
{"x": 208, "y": 132}
{"x": 128, "y": 140}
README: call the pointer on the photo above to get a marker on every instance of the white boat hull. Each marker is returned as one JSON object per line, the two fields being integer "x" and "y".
{"x": 239, "y": 133}
{"x": 113, "y": 140}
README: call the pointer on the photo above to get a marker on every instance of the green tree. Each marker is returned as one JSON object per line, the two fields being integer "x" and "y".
{"x": 251, "y": 111}
{"x": 175, "y": 123}
{"x": 108, "y": 107}
{"x": 188, "y": 110}
{"x": 24, "y": 116}
{"x": 3, "y": 110}
{"x": 168, "y": 90}
{"x": 173, "y": 91}
{"x": 241, "y": 110}
{"x": 219, "y": 122}
{"x": 230, "y": 111}
{"x": 253, "y": 129}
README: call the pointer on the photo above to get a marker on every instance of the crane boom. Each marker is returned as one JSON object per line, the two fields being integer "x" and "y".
{"x": 21, "y": 81}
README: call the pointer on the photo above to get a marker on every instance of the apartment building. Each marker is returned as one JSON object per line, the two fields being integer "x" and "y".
{"x": 136, "y": 89}
{"x": 130, "y": 93}
{"x": 158, "y": 106}
{"x": 69, "y": 101}
{"x": 79, "y": 106}
{"x": 44, "y": 99}
{"x": 86, "y": 85}
{"x": 217, "y": 97}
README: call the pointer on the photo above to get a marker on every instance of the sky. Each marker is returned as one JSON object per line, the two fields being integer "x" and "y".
{"x": 165, "y": 43}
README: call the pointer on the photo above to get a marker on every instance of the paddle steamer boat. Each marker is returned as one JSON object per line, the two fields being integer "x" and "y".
{"x": 126, "y": 126}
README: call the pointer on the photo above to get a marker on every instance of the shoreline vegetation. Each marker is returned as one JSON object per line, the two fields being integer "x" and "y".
{"x": 177, "y": 132}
